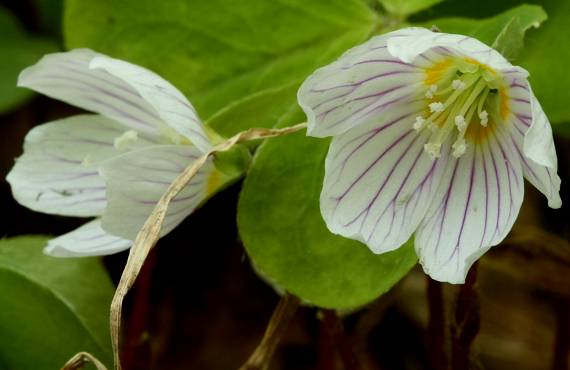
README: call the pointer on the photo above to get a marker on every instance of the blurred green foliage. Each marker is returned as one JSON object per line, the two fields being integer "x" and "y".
{"x": 51, "y": 308}
{"x": 19, "y": 50}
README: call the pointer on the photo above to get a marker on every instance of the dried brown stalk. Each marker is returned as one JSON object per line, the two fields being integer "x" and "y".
{"x": 80, "y": 359}
{"x": 280, "y": 319}
{"x": 149, "y": 234}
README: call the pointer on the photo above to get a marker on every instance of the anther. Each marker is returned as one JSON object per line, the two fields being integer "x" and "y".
{"x": 431, "y": 91}
{"x": 436, "y": 107}
{"x": 484, "y": 116}
{"x": 460, "y": 123}
{"x": 459, "y": 147}
{"x": 121, "y": 142}
{"x": 420, "y": 123}
{"x": 433, "y": 150}
{"x": 86, "y": 161}
{"x": 458, "y": 85}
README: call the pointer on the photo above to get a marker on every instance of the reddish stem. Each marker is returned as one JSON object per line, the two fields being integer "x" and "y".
{"x": 335, "y": 329}
{"x": 467, "y": 322}
{"x": 562, "y": 341}
{"x": 436, "y": 325}
{"x": 136, "y": 352}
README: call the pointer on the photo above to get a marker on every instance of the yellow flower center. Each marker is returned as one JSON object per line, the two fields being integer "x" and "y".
{"x": 465, "y": 98}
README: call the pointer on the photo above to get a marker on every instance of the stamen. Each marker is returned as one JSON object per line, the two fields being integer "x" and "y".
{"x": 459, "y": 147}
{"x": 420, "y": 123}
{"x": 432, "y": 89}
{"x": 86, "y": 161}
{"x": 484, "y": 116}
{"x": 458, "y": 85}
{"x": 460, "y": 123}
{"x": 433, "y": 150}
{"x": 460, "y": 99}
{"x": 121, "y": 142}
{"x": 436, "y": 107}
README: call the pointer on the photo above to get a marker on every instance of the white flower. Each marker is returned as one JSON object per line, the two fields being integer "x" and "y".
{"x": 114, "y": 165}
{"x": 432, "y": 134}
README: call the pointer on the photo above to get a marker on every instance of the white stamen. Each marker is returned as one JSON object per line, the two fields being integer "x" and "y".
{"x": 420, "y": 123}
{"x": 460, "y": 123}
{"x": 484, "y": 116}
{"x": 432, "y": 89}
{"x": 86, "y": 161}
{"x": 433, "y": 150}
{"x": 459, "y": 147}
{"x": 125, "y": 139}
{"x": 436, "y": 107}
{"x": 458, "y": 85}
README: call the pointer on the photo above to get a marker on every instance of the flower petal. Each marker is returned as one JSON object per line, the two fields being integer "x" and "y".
{"x": 87, "y": 240}
{"x": 57, "y": 173}
{"x": 419, "y": 40}
{"x": 132, "y": 95}
{"x": 359, "y": 87}
{"x": 533, "y": 141}
{"x": 379, "y": 181}
{"x": 538, "y": 141}
{"x": 170, "y": 104}
{"x": 137, "y": 180}
{"x": 474, "y": 208}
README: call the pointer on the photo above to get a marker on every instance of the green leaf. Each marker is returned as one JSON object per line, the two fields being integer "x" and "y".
{"x": 19, "y": 50}
{"x": 263, "y": 109}
{"x": 546, "y": 56}
{"x": 489, "y": 29}
{"x": 407, "y": 7}
{"x": 51, "y": 308}
{"x": 510, "y": 40}
{"x": 285, "y": 236}
{"x": 223, "y": 52}
{"x": 49, "y": 14}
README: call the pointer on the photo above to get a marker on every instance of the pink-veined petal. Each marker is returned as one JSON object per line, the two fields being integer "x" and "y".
{"x": 474, "y": 208}
{"x": 379, "y": 180}
{"x": 136, "y": 181}
{"x": 419, "y": 40}
{"x": 87, "y": 240}
{"x": 538, "y": 141}
{"x": 533, "y": 141}
{"x": 58, "y": 172}
{"x": 361, "y": 86}
{"x": 170, "y": 104}
{"x": 132, "y": 95}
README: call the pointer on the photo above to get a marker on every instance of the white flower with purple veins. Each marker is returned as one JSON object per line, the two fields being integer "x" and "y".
{"x": 432, "y": 134}
{"x": 114, "y": 165}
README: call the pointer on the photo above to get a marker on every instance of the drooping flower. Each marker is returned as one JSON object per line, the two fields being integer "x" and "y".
{"x": 114, "y": 165}
{"x": 432, "y": 134}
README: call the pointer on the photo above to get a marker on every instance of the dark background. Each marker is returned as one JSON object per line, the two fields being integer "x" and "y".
{"x": 199, "y": 305}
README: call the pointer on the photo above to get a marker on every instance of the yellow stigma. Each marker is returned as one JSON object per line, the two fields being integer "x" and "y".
{"x": 464, "y": 99}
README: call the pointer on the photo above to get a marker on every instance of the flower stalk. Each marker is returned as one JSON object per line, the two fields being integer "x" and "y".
{"x": 150, "y": 233}
{"x": 278, "y": 324}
